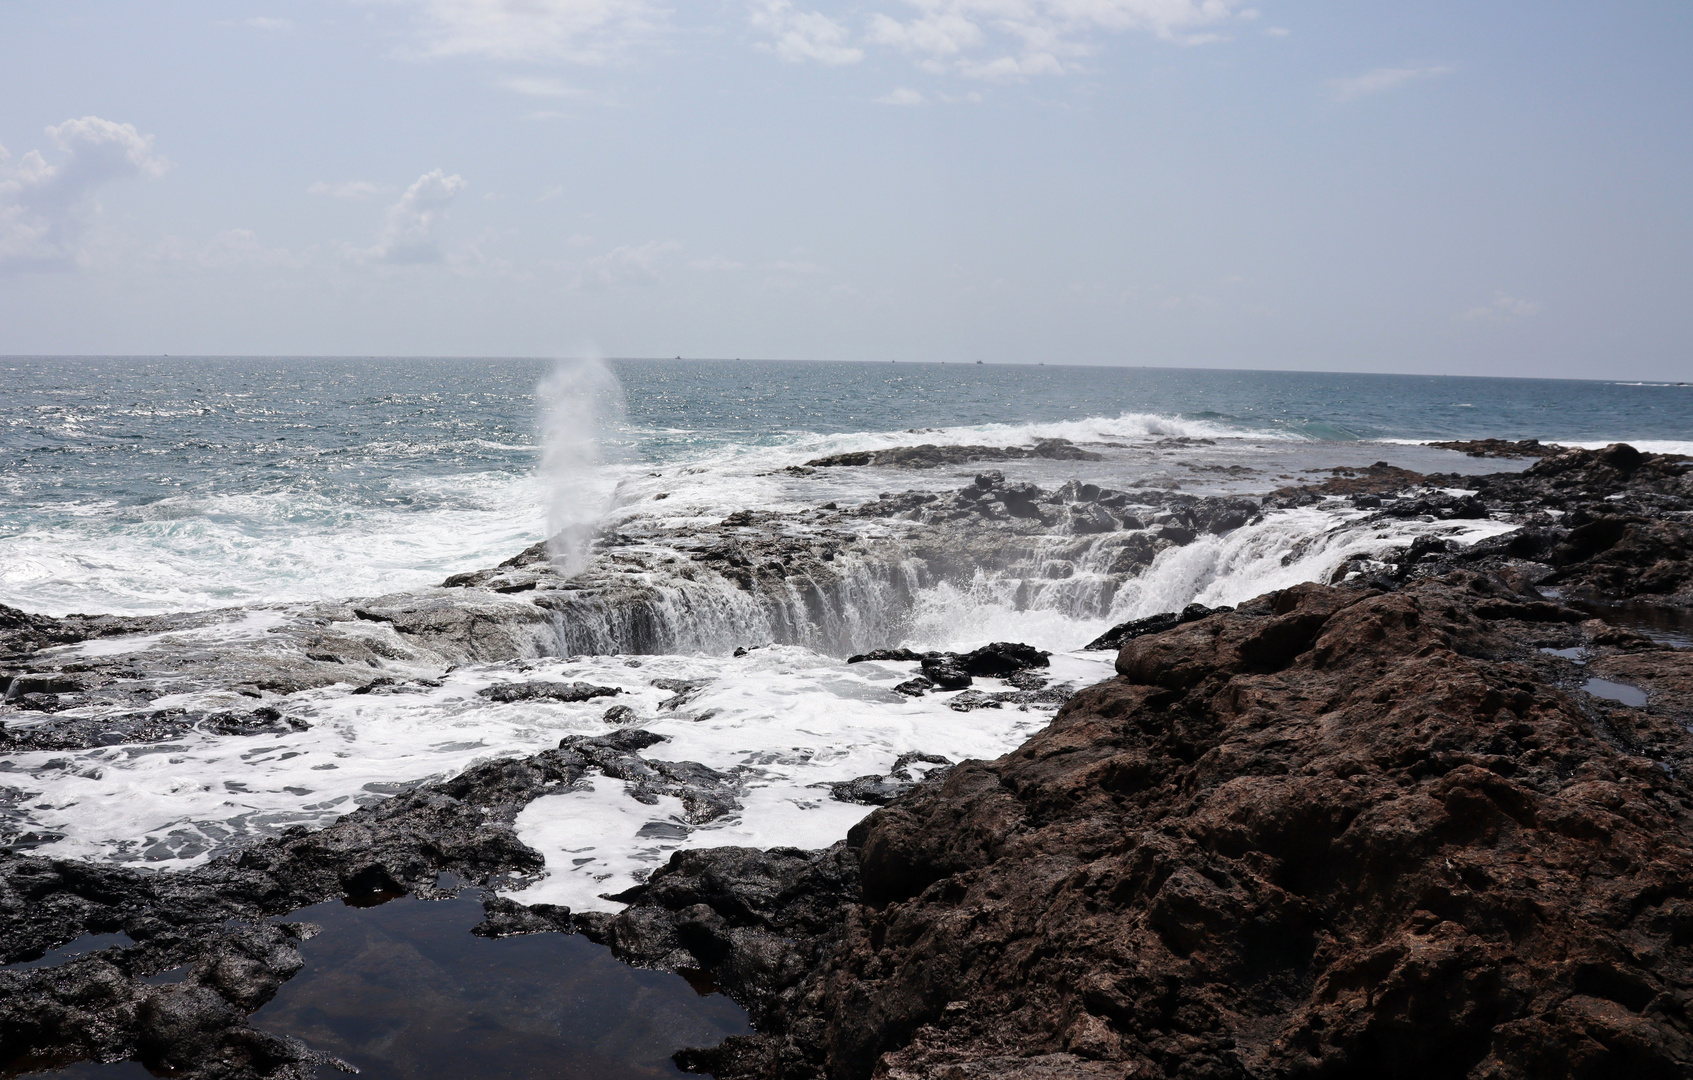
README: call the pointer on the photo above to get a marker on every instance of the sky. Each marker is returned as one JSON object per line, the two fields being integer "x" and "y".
{"x": 1498, "y": 188}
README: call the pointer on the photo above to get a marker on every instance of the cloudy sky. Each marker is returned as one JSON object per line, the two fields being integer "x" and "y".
{"x": 1419, "y": 186}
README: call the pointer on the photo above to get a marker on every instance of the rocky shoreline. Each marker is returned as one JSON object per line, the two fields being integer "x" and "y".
{"x": 1397, "y": 823}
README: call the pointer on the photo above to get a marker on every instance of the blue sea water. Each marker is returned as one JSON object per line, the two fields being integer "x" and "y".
{"x": 146, "y": 484}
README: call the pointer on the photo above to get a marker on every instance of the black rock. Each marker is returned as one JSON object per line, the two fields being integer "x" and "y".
{"x": 1002, "y": 659}
{"x": 506, "y": 918}
{"x": 682, "y": 691}
{"x": 946, "y": 672}
{"x": 889, "y": 654}
{"x": 550, "y": 691}
{"x": 879, "y": 790}
{"x": 1152, "y": 624}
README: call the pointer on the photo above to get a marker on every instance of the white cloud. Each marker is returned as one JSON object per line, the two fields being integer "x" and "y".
{"x": 582, "y": 31}
{"x": 269, "y": 25}
{"x": 409, "y": 234}
{"x": 982, "y": 39}
{"x": 901, "y": 96}
{"x": 1381, "y": 80}
{"x": 350, "y": 189}
{"x": 939, "y": 34}
{"x": 45, "y": 209}
{"x": 540, "y": 87}
{"x": 628, "y": 265}
{"x": 798, "y": 36}
{"x": 1502, "y": 308}
{"x": 1023, "y": 38}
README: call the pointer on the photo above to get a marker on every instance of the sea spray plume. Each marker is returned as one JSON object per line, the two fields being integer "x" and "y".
{"x": 579, "y": 402}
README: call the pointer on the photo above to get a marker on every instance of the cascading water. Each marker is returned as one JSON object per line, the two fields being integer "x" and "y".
{"x": 1057, "y": 591}
{"x": 856, "y": 603}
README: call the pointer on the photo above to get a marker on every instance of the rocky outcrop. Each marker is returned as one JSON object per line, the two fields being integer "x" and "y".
{"x": 1337, "y": 832}
{"x": 1501, "y": 448}
{"x": 1613, "y": 523}
{"x": 1341, "y": 831}
{"x": 929, "y": 456}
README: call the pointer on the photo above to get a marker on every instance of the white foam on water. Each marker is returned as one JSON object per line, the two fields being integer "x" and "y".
{"x": 960, "y": 618}
{"x": 787, "y": 721}
{"x": 786, "y": 718}
{"x": 1133, "y": 427}
{"x": 195, "y": 554}
{"x": 1286, "y": 548}
{"x": 782, "y": 719}
{"x": 172, "y": 804}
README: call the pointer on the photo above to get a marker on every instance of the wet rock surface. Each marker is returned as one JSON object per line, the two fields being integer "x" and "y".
{"x": 1373, "y": 828}
{"x": 203, "y": 951}
{"x": 1612, "y": 523}
{"x": 929, "y": 456}
{"x": 546, "y": 691}
{"x": 1122, "y": 633}
{"x": 112, "y": 729}
{"x": 1339, "y": 831}
{"x": 881, "y": 789}
{"x": 1501, "y": 448}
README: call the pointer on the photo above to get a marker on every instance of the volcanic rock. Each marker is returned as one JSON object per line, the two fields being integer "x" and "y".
{"x": 929, "y": 456}
{"x": 1337, "y": 832}
{"x": 946, "y": 673}
{"x": 1501, "y": 448}
{"x": 1122, "y": 633}
{"x": 1003, "y": 659}
{"x": 546, "y": 691}
{"x": 210, "y": 922}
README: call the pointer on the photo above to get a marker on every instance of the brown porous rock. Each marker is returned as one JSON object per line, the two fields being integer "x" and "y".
{"x": 1333, "y": 833}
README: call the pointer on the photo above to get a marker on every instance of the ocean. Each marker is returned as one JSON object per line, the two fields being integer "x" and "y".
{"x": 268, "y": 484}
{"x": 136, "y": 485}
